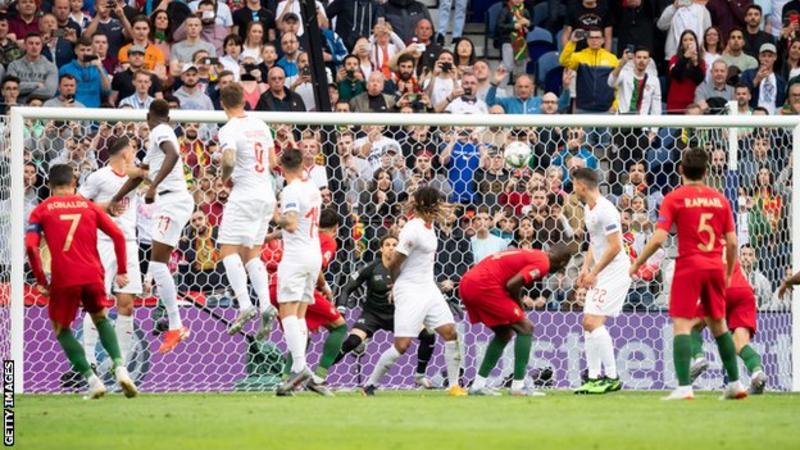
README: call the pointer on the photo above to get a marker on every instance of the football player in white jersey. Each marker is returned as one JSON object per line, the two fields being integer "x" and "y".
{"x": 248, "y": 157}
{"x": 299, "y": 269}
{"x": 605, "y": 276}
{"x": 100, "y": 187}
{"x": 418, "y": 301}
{"x": 163, "y": 166}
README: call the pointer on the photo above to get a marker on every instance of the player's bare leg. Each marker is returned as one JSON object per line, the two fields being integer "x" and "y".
{"x": 752, "y": 360}
{"x": 293, "y": 318}
{"x": 727, "y": 352}
{"x": 494, "y": 351}
{"x": 168, "y": 294}
{"x": 232, "y": 258}
{"x": 385, "y": 362}
{"x": 599, "y": 350}
{"x": 452, "y": 357}
{"x": 682, "y": 355}
{"x": 77, "y": 357}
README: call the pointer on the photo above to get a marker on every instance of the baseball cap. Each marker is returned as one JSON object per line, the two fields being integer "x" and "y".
{"x": 136, "y": 49}
{"x": 768, "y": 47}
{"x": 424, "y": 153}
{"x": 291, "y": 17}
{"x": 187, "y": 67}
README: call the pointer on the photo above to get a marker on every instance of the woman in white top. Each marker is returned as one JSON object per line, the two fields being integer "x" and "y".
{"x": 443, "y": 81}
{"x": 362, "y": 51}
{"x": 791, "y": 67}
{"x": 254, "y": 41}
{"x": 713, "y": 46}
{"x": 232, "y": 48}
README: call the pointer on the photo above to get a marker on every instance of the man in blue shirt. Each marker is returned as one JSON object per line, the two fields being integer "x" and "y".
{"x": 523, "y": 101}
{"x": 576, "y": 147}
{"x": 462, "y": 157}
{"x": 87, "y": 68}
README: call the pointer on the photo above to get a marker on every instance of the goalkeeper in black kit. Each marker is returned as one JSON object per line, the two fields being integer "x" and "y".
{"x": 378, "y": 310}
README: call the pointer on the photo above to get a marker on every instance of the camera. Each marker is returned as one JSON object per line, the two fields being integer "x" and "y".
{"x": 446, "y": 67}
{"x": 211, "y": 61}
{"x": 580, "y": 34}
{"x": 630, "y": 48}
{"x": 90, "y": 58}
{"x": 305, "y": 71}
{"x": 350, "y": 73}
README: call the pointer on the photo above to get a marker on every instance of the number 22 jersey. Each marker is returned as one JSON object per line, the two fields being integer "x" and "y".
{"x": 702, "y": 217}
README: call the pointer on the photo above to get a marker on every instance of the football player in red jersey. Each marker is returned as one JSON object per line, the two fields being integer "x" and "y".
{"x": 70, "y": 223}
{"x": 491, "y": 292}
{"x": 704, "y": 223}
{"x": 740, "y": 314}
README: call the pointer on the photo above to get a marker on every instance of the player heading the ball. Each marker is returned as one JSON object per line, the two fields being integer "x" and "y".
{"x": 248, "y": 158}
{"x": 704, "y": 223}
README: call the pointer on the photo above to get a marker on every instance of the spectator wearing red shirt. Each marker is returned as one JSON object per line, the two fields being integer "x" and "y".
{"x": 25, "y": 22}
{"x": 686, "y": 71}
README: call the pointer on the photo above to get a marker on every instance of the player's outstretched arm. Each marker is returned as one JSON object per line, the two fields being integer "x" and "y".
{"x": 134, "y": 180}
{"x": 170, "y": 159}
{"x": 659, "y": 237}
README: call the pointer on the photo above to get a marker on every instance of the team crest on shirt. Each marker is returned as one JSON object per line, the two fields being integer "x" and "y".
{"x": 534, "y": 274}
{"x": 517, "y": 312}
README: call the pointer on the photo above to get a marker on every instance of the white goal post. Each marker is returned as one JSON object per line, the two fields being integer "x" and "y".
{"x": 19, "y": 116}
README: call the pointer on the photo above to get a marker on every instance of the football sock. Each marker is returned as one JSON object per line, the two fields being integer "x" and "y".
{"x": 522, "y": 353}
{"x": 385, "y": 362}
{"x": 493, "y": 353}
{"x": 304, "y": 332}
{"x": 697, "y": 344}
{"x": 167, "y": 292}
{"x": 332, "y": 348}
{"x": 124, "y": 329}
{"x": 452, "y": 356}
{"x": 751, "y": 358}
{"x": 237, "y": 278}
{"x": 74, "y": 352}
{"x": 682, "y": 358}
{"x": 427, "y": 341}
{"x": 348, "y": 346}
{"x": 260, "y": 282}
{"x": 593, "y": 359}
{"x": 606, "y": 351}
{"x": 479, "y": 382}
{"x": 295, "y": 341}
{"x": 89, "y": 339}
{"x": 727, "y": 352}
{"x": 108, "y": 338}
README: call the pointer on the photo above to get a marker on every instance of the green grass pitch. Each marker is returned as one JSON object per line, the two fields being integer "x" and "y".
{"x": 406, "y": 420}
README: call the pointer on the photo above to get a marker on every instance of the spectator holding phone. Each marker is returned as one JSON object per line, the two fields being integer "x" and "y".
{"x": 67, "y": 85}
{"x": 679, "y": 17}
{"x": 115, "y": 28}
{"x": 687, "y": 70}
{"x": 769, "y": 88}
{"x": 54, "y": 46}
{"x": 442, "y": 81}
{"x": 593, "y": 65}
{"x": 92, "y": 80}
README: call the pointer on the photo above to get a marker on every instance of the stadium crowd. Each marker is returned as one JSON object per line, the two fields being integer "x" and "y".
{"x": 644, "y": 57}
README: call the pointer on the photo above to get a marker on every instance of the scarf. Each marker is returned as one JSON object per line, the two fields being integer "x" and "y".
{"x": 519, "y": 41}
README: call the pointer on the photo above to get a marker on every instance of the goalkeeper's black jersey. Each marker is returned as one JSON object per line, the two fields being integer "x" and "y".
{"x": 378, "y": 281}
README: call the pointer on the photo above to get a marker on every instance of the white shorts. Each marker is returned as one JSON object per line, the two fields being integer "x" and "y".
{"x": 609, "y": 292}
{"x": 109, "y": 259}
{"x": 245, "y": 219}
{"x": 174, "y": 211}
{"x": 417, "y": 308}
{"x": 297, "y": 280}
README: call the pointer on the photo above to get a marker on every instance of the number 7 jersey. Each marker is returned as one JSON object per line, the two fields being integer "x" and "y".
{"x": 702, "y": 217}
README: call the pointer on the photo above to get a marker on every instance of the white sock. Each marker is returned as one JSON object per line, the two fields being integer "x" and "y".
{"x": 452, "y": 356}
{"x": 606, "y": 349}
{"x": 260, "y": 282}
{"x": 90, "y": 337}
{"x": 592, "y": 351}
{"x": 295, "y": 342}
{"x": 124, "y": 329}
{"x": 684, "y": 389}
{"x": 237, "y": 278}
{"x": 167, "y": 292}
{"x": 518, "y": 385}
{"x": 479, "y": 382}
{"x": 304, "y": 332}
{"x": 385, "y": 362}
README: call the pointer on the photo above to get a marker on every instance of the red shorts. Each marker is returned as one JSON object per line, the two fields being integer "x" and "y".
{"x": 64, "y": 302}
{"x": 698, "y": 293}
{"x": 488, "y": 303}
{"x": 318, "y": 314}
{"x": 740, "y": 305}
